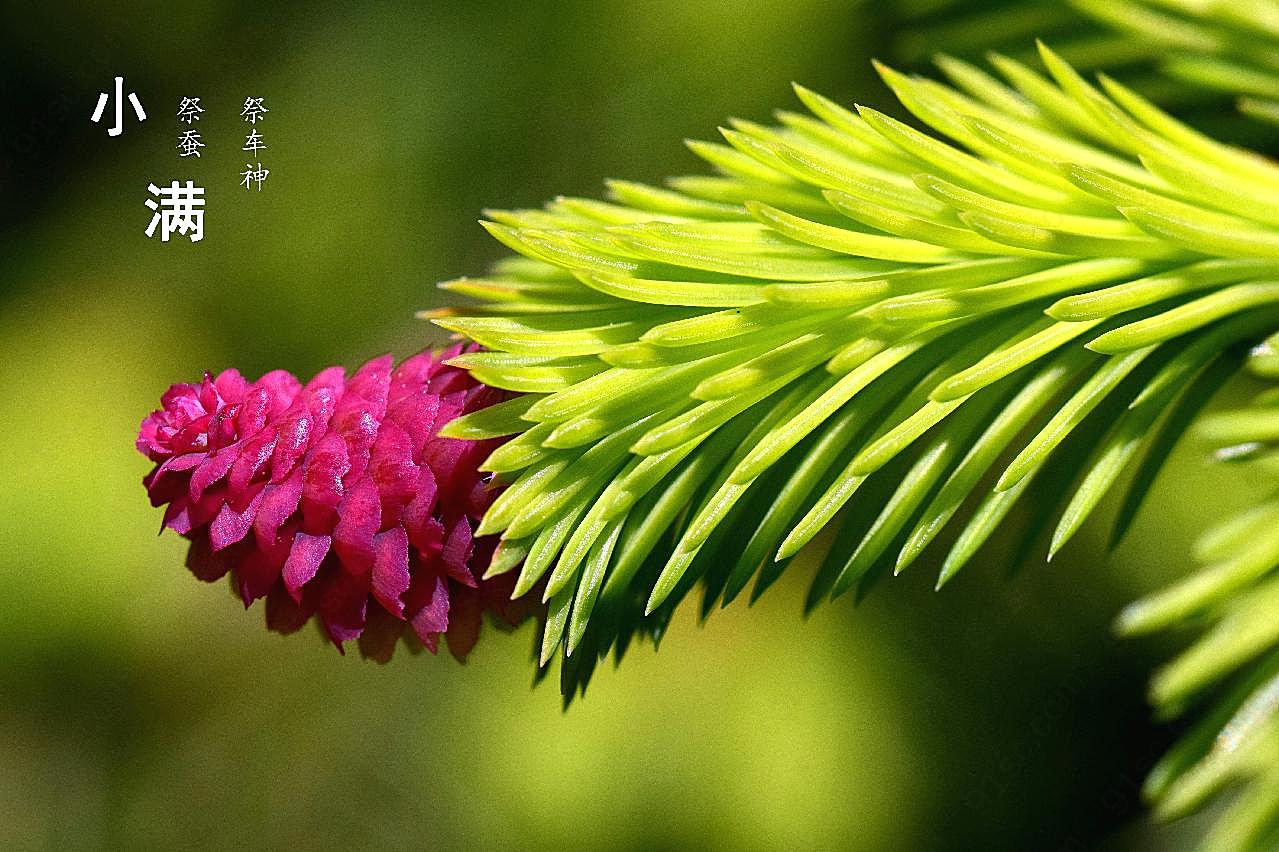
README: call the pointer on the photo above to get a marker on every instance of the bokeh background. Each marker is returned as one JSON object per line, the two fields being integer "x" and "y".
{"x": 141, "y": 708}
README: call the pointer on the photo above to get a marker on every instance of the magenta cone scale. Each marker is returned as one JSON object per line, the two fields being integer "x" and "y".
{"x": 335, "y": 499}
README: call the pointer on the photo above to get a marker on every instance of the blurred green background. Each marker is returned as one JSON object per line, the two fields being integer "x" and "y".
{"x": 141, "y": 708}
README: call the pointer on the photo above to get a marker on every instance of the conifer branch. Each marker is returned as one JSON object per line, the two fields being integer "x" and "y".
{"x": 1184, "y": 52}
{"x": 893, "y": 335}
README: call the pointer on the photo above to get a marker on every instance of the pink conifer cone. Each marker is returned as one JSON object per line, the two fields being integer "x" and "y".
{"x": 336, "y": 498}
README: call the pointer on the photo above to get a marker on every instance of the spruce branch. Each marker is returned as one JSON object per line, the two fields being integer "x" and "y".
{"x": 891, "y": 335}
{"x": 1188, "y": 53}
{"x": 1232, "y": 670}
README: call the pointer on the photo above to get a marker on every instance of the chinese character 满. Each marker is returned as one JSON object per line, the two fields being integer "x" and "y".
{"x": 181, "y": 209}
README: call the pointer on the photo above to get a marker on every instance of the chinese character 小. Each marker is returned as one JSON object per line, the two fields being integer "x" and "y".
{"x": 181, "y": 209}
{"x": 119, "y": 106}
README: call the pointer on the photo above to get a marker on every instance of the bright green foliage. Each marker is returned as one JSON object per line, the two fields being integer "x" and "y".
{"x": 862, "y": 328}
{"x": 1237, "y": 591}
{"x": 1177, "y": 51}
